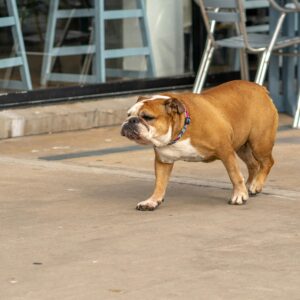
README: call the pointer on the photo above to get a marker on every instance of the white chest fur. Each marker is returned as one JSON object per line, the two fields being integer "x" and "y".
{"x": 182, "y": 150}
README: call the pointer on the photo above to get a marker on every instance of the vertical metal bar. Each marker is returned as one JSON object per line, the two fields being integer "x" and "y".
{"x": 244, "y": 64}
{"x": 99, "y": 58}
{"x": 262, "y": 69}
{"x": 145, "y": 32}
{"x": 298, "y": 51}
{"x": 296, "y": 123}
{"x": 274, "y": 68}
{"x": 297, "y": 113}
{"x": 19, "y": 44}
{"x": 205, "y": 60}
{"x": 288, "y": 69}
{"x": 49, "y": 41}
{"x": 203, "y": 68}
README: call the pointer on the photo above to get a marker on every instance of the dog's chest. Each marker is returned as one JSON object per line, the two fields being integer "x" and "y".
{"x": 182, "y": 150}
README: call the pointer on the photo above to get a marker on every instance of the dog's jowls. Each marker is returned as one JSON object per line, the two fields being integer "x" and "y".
{"x": 234, "y": 119}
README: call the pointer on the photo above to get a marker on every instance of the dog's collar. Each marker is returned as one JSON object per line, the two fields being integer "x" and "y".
{"x": 187, "y": 121}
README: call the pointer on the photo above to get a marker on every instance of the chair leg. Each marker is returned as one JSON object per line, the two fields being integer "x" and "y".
{"x": 296, "y": 123}
{"x": 203, "y": 68}
{"x": 262, "y": 69}
{"x": 244, "y": 64}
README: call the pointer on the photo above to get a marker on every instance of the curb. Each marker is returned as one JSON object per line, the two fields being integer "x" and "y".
{"x": 63, "y": 117}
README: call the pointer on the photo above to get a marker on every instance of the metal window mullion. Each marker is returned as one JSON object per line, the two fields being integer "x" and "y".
{"x": 49, "y": 41}
{"x": 146, "y": 38}
{"x": 99, "y": 58}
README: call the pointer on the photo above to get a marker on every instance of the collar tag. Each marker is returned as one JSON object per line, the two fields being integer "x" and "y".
{"x": 187, "y": 120}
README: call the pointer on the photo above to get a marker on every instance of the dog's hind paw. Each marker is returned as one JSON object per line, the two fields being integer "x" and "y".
{"x": 255, "y": 188}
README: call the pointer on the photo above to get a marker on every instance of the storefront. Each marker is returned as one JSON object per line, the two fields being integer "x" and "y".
{"x": 83, "y": 49}
{"x": 72, "y": 55}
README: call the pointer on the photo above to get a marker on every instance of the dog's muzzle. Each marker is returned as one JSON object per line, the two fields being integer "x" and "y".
{"x": 130, "y": 128}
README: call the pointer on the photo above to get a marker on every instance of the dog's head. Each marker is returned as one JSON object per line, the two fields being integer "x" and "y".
{"x": 152, "y": 120}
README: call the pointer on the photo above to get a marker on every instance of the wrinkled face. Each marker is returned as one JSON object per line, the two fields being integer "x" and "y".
{"x": 150, "y": 120}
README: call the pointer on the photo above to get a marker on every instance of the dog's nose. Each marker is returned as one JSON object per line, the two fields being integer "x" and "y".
{"x": 133, "y": 120}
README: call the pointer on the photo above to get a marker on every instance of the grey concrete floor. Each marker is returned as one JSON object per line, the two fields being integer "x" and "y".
{"x": 69, "y": 230}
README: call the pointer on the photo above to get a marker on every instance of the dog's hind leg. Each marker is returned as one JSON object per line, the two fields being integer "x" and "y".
{"x": 261, "y": 142}
{"x": 246, "y": 155}
{"x": 262, "y": 151}
{"x": 266, "y": 162}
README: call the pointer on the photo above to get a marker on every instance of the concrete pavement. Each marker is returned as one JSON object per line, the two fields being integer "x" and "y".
{"x": 69, "y": 230}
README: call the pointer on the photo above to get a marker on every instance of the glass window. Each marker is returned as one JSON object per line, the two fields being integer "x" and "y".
{"x": 81, "y": 42}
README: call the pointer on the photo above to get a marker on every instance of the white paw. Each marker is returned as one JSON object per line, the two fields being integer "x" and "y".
{"x": 255, "y": 187}
{"x": 148, "y": 205}
{"x": 239, "y": 198}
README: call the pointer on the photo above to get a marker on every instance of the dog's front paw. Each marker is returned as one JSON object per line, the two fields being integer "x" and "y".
{"x": 148, "y": 205}
{"x": 239, "y": 198}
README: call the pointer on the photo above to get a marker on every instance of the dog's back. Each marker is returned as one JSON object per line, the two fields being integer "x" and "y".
{"x": 247, "y": 106}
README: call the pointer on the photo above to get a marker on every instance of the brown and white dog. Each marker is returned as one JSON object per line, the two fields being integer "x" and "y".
{"x": 234, "y": 119}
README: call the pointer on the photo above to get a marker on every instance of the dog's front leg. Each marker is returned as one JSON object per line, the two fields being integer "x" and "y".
{"x": 240, "y": 193}
{"x": 162, "y": 175}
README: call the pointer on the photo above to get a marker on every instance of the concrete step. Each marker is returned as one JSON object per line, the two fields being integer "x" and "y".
{"x": 64, "y": 117}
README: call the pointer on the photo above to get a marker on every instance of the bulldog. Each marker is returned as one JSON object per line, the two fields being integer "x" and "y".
{"x": 235, "y": 119}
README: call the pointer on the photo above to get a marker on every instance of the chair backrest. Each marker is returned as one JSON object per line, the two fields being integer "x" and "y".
{"x": 229, "y": 11}
{"x": 220, "y": 3}
{"x": 222, "y": 11}
{"x": 257, "y": 4}
{"x": 248, "y": 4}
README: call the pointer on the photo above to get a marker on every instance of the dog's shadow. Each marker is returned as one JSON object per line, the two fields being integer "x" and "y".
{"x": 186, "y": 194}
{"x": 130, "y": 191}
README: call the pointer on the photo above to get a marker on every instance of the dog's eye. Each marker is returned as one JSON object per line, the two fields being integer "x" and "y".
{"x": 148, "y": 118}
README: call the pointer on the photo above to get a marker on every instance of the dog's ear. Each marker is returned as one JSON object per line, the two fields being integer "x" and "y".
{"x": 141, "y": 98}
{"x": 173, "y": 105}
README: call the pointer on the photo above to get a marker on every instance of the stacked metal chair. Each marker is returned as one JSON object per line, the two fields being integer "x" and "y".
{"x": 96, "y": 47}
{"x": 233, "y": 11}
{"x": 293, "y": 6}
{"x": 20, "y": 60}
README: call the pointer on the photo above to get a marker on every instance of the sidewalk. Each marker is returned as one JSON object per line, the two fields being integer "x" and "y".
{"x": 69, "y": 230}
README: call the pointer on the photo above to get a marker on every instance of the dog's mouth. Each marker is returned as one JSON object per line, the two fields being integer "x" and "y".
{"x": 130, "y": 134}
{"x": 133, "y": 134}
